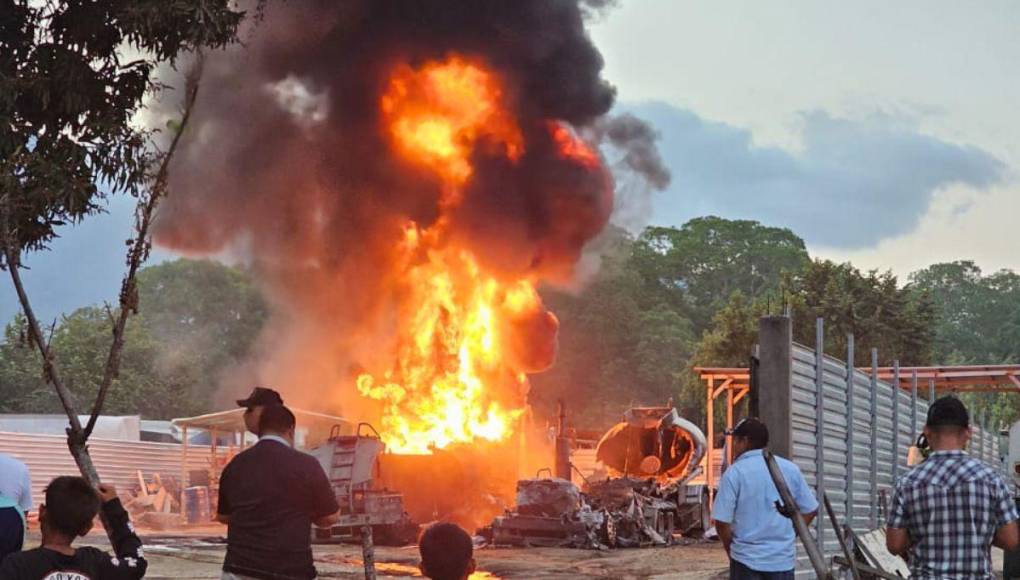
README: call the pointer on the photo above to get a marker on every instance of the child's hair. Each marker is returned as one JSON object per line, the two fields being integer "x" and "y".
{"x": 71, "y": 504}
{"x": 446, "y": 551}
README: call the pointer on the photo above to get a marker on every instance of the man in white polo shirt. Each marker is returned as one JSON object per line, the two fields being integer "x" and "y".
{"x": 15, "y": 501}
{"x": 758, "y": 539}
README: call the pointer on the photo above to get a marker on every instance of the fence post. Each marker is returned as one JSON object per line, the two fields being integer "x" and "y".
{"x": 850, "y": 455}
{"x": 775, "y": 375}
{"x": 981, "y": 427}
{"x": 896, "y": 421}
{"x": 874, "y": 438}
{"x": 913, "y": 405}
{"x": 931, "y": 391}
{"x": 820, "y": 424}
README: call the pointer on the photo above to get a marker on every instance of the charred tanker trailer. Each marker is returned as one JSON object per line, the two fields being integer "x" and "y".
{"x": 652, "y": 457}
{"x": 351, "y": 463}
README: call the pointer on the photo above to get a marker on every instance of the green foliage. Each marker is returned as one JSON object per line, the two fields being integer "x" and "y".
{"x": 197, "y": 319}
{"x": 622, "y": 341}
{"x": 871, "y": 306}
{"x": 67, "y": 98}
{"x": 709, "y": 258}
{"x": 979, "y": 324}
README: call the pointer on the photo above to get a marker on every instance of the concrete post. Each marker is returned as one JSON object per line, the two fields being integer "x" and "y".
{"x": 775, "y": 375}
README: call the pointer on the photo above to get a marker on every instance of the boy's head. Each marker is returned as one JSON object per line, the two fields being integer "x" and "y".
{"x": 71, "y": 505}
{"x": 446, "y": 552}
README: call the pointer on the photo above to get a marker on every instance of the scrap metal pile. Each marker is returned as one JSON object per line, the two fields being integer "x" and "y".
{"x": 651, "y": 456}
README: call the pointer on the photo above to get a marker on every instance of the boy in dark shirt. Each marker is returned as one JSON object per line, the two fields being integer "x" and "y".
{"x": 71, "y": 505}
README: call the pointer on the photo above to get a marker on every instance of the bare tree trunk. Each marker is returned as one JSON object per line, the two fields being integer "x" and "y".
{"x": 77, "y": 436}
{"x": 139, "y": 251}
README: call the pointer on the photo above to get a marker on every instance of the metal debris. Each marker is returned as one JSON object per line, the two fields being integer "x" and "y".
{"x": 653, "y": 455}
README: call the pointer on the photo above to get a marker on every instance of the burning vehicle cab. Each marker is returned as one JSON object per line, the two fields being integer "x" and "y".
{"x": 351, "y": 463}
{"x": 653, "y": 442}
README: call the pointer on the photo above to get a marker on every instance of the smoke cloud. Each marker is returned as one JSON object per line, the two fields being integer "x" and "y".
{"x": 287, "y": 165}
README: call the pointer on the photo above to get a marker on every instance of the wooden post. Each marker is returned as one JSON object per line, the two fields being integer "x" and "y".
{"x": 368, "y": 552}
{"x": 184, "y": 461}
{"x": 710, "y": 452}
{"x": 729, "y": 424}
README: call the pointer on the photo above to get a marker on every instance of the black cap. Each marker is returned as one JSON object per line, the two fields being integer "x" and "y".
{"x": 752, "y": 429}
{"x": 261, "y": 396}
{"x": 948, "y": 411}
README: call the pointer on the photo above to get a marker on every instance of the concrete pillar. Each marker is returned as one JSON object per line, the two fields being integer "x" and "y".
{"x": 775, "y": 376}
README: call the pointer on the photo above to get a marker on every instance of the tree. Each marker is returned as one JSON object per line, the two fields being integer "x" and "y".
{"x": 22, "y": 387}
{"x": 67, "y": 100}
{"x": 622, "y": 341}
{"x": 709, "y": 258}
{"x": 206, "y": 317}
{"x": 871, "y": 306}
{"x": 198, "y": 319}
{"x": 978, "y": 315}
{"x": 978, "y": 323}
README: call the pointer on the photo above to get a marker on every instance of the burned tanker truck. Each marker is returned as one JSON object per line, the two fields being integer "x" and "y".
{"x": 652, "y": 458}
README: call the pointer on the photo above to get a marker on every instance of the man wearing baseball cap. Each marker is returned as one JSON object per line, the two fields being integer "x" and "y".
{"x": 947, "y": 512}
{"x": 758, "y": 539}
{"x": 259, "y": 398}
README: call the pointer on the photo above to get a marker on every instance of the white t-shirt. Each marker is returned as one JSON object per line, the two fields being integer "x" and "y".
{"x": 15, "y": 482}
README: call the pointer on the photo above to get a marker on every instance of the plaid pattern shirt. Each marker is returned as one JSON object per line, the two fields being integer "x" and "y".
{"x": 951, "y": 505}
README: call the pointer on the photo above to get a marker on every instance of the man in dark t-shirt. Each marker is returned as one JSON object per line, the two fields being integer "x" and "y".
{"x": 270, "y": 495}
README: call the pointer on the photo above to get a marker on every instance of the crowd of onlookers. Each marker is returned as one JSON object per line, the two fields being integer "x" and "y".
{"x": 269, "y": 497}
{"x": 945, "y": 515}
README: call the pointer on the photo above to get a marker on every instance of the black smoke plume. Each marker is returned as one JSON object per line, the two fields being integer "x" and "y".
{"x": 287, "y": 165}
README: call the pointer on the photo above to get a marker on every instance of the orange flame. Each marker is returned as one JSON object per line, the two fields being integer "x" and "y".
{"x": 449, "y": 381}
{"x": 436, "y": 114}
{"x": 452, "y": 377}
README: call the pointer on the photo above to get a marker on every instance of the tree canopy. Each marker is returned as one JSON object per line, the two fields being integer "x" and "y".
{"x": 69, "y": 94}
{"x": 198, "y": 319}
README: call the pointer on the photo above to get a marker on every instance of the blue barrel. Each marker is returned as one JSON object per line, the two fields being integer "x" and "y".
{"x": 196, "y": 505}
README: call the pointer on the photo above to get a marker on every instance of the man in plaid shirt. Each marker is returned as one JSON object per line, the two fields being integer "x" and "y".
{"x": 948, "y": 511}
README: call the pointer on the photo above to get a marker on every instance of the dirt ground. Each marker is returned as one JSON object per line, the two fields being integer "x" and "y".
{"x": 198, "y": 554}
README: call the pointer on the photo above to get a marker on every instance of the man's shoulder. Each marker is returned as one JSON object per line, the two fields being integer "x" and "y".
{"x": 285, "y": 453}
{"x": 750, "y": 466}
{"x": 919, "y": 474}
{"x": 948, "y": 471}
{"x": 10, "y": 462}
{"x": 982, "y": 471}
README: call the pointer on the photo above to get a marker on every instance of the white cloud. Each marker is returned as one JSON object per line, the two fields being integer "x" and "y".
{"x": 960, "y": 225}
{"x": 854, "y": 183}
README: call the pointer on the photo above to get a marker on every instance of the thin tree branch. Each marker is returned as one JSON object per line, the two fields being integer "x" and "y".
{"x": 50, "y": 372}
{"x": 140, "y": 247}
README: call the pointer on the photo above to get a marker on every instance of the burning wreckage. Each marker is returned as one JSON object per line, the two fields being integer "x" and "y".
{"x": 652, "y": 457}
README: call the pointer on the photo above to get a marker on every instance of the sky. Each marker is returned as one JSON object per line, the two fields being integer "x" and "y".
{"x": 883, "y": 133}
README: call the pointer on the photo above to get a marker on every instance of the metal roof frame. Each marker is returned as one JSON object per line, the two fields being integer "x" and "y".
{"x": 233, "y": 420}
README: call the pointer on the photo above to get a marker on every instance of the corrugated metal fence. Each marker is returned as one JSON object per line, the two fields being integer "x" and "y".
{"x": 117, "y": 461}
{"x": 856, "y": 458}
